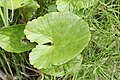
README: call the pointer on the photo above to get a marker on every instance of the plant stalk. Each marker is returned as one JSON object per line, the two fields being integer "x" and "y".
{"x": 2, "y": 16}
{"x": 6, "y": 13}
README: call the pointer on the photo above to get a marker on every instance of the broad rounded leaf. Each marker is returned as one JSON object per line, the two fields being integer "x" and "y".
{"x": 11, "y": 39}
{"x": 60, "y": 37}
{"x": 17, "y": 3}
{"x": 74, "y": 5}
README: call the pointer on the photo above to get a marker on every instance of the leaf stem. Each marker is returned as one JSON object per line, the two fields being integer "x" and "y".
{"x": 1, "y": 13}
{"x": 6, "y": 12}
{"x": 9, "y": 68}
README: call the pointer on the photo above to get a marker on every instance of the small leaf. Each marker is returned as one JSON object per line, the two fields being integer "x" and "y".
{"x": 17, "y": 3}
{"x": 29, "y": 9}
{"x": 68, "y": 33}
{"x": 74, "y": 5}
{"x": 11, "y": 39}
{"x": 70, "y": 67}
{"x": 52, "y": 8}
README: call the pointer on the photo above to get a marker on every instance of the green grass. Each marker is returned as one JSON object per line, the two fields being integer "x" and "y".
{"x": 101, "y": 58}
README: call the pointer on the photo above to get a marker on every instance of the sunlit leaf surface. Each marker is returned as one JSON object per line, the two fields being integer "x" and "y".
{"x": 60, "y": 37}
{"x": 12, "y": 39}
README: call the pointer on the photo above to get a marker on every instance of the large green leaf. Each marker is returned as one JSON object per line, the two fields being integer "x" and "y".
{"x": 17, "y": 3}
{"x": 12, "y": 39}
{"x": 60, "y": 37}
{"x": 74, "y": 5}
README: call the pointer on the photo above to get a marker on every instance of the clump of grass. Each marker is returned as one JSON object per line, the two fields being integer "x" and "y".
{"x": 101, "y": 59}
